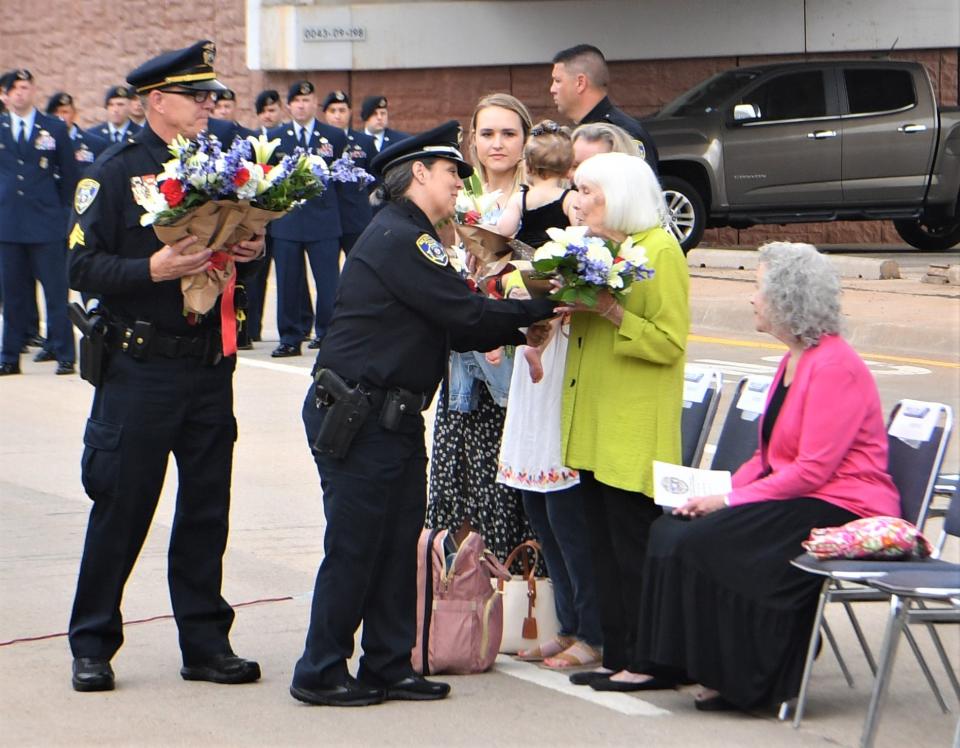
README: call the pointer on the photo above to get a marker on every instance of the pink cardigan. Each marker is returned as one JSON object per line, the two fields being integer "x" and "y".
{"x": 829, "y": 441}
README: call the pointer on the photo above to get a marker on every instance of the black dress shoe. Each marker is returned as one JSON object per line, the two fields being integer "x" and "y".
{"x": 36, "y": 341}
{"x": 225, "y": 668}
{"x": 66, "y": 367}
{"x": 284, "y": 351}
{"x": 44, "y": 355}
{"x": 349, "y": 693}
{"x": 8, "y": 369}
{"x": 92, "y": 674}
{"x": 586, "y": 677}
{"x": 416, "y": 688}
{"x": 624, "y": 686}
{"x": 247, "y": 346}
{"x": 714, "y": 704}
{"x": 314, "y": 344}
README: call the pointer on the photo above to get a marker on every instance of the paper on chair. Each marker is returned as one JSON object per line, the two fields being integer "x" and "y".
{"x": 915, "y": 421}
{"x": 674, "y": 485}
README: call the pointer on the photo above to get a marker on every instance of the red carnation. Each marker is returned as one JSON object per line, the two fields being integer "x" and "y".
{"x": 173, "y": 191}
{"x": 472, "y": 217}
{"x": 241, "y": 177}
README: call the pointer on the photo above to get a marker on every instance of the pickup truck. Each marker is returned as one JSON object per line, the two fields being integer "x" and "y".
{"x": 812, "y": 141}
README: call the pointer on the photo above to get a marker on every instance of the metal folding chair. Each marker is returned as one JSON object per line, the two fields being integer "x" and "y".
{"x": 703, "y": 386}
{"x": 740, "y": 433}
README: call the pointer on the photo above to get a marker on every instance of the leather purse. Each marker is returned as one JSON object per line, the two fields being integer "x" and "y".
{"x": 529, "y": 611}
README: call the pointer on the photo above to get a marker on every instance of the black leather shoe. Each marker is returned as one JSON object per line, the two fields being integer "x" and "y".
{"x": 36, "y": 341}
{"x": 44, "y": 355}
{"x": 586, "y": 677}
{"x": 92, "y": 674}
{"x": 416, "y": 688}
{"x": 622, "y": 686}
{"x": 314, "y": 344}
{"x": 65, "y": 367}
{"x": 284, "y": 351}
{"x": 349, "y": 693}
{"x": 8, "y": 369}
{"x": 225, "y": 668}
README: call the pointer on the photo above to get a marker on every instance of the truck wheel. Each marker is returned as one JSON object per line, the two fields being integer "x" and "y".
{"x": 932, "y": 238}
{"x": 687, "y": 216}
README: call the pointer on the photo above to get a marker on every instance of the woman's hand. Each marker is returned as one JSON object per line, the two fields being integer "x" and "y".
{"x": 251, "y": 249}
{"x": 606, "y": 306}
{"x": 700, "y": 506}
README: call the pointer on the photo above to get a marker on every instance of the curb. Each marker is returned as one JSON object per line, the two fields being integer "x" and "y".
{"x": 865, "y": 268}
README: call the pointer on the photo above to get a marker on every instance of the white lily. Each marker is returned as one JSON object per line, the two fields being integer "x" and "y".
{"x": 598, "y": 252}
{"x": 569, "y": 235}
{"x": 262, "y": 148}
{"x": 549, "y": 250}
{"x": 635, "y": 254}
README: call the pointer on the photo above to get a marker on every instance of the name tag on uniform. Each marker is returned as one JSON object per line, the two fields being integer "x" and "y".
{"x": 432, "y": 250}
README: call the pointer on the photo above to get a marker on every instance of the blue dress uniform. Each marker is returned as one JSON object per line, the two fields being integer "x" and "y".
{"x": 38, "y": 173}
{"x": 400, "y": 307}
{"x": 315, "y": 228}
{"x": 125, "y": 131}
{"x": 166, "y": 389}
{"x": 354, "y": 197}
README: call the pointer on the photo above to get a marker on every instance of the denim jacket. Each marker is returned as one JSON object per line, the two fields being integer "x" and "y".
{"x": 468, "y": 370}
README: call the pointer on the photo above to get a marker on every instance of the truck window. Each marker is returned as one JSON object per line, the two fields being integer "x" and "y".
{"x": 791, "y": 96}
{"x": 709, "y": 95}
{"x": 878, "y": 90}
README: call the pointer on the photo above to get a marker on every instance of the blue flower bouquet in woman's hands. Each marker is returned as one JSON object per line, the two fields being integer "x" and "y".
{"x": 588, "y": 265}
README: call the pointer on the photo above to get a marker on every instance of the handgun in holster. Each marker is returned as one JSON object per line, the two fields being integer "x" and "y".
{"x": 347, "y": 408}
{"x": 93, "y": 345}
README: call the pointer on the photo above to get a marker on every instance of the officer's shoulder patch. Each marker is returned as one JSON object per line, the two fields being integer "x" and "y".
{"x": 432, "y": 250}
{"x": 86, "y": 193}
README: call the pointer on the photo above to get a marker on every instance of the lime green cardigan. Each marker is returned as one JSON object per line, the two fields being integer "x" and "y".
{"x": 623, "y": 391}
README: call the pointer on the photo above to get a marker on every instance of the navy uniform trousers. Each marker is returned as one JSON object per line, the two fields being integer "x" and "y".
{"x": 374, "y": 502}
{"x": 142, "y": 412}
{"x": 324, "y": 256}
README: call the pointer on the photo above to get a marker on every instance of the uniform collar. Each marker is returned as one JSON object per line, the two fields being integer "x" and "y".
{"x": 154, "y": 144}
{"x": 308, "y": 128}
{"x": 597, "y": 113}
{"x": 411, "y": 210}
{"x": 15, "y": 120}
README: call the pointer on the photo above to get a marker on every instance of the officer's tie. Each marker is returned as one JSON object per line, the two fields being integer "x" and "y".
{"x": 302, "y": 138}
{"x": 116, "y": 136}
{"x": 22, "y": 138}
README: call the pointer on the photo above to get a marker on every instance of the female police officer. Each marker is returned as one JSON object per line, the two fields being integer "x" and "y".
{"x": 400, "y": 308}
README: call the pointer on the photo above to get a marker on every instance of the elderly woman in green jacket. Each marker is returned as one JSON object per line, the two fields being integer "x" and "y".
{"x": 623, "y": 396}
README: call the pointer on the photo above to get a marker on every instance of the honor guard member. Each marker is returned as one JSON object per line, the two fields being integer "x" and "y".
{"x": 226, "y": 107}
{"x": 86, "y": 145}
{"x": 375, "y": 118}
{"x": 118, "y": 126}
{"x": 354, "y": 196}
{"x": 269, "y": 110}
{"x": 137, "y": 114}
{"x": 38, "y": 173}
{"x": 313, "y": 228}
{"x": 165, "y": 387}
{"x": 400, "y": 308}
{"x": 579, "y": 83}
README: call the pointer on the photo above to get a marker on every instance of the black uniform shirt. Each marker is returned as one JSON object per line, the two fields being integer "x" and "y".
{"x": 605, "y": 111}
{"x": 110, "y": 250}
{"x": 399, "y": 298}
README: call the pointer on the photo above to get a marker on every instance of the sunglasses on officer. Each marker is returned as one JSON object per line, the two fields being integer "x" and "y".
{"x": 199, "y": 97}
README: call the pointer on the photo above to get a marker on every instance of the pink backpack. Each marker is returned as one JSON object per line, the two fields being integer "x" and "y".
{"x": 459, "y": 613}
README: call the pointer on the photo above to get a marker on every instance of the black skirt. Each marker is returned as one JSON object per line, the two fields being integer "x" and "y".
{"x": 722, "y": 604}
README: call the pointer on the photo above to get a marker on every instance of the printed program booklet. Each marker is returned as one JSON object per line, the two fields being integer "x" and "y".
{"x": 674, "y": 485}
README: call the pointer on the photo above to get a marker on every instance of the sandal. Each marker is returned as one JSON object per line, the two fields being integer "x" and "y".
{"x": 711, "y": 701}
{"x": 555, "y": 646}
{"x": 578, "y": 654}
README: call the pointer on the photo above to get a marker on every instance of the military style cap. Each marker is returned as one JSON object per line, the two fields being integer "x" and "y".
{"x": 300, "y": 88}
{"x": 58, "y": 100}
{"x": 265, "y": 99}
{"x": 336, "y": 97}
{"x": 370, "y": 105}
{"x": 118, "y": 92}
{"x": 226, "y": 95}
{"x": 190, "y": 67}
{"x": 440, "y": 142}
{"x": 20, "y": 74}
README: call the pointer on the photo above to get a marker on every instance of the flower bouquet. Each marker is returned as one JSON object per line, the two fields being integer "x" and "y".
{"x": 588, "y": 265}
{"x": 472, "y": 208}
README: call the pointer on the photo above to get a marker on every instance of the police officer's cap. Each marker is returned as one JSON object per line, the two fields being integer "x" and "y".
{"x": 58, "y": 100}
{"x": 190, "y": 68}
{"x": 226, "y": 95}
{"x": 20, "y": 74}
{"x": 300, "y": 88}
{"x": 118, "y": 92}
{"x": 372, "y": 104}
{"x": 336, "y": 97}
{"x": 440, "y": 142}
{"x": 265, "y": 99}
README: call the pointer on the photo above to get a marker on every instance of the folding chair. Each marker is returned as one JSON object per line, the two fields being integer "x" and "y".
{"x": 701, "y": 396}
{"x": 740, "y": 433}
{"x": 904, "y": 588}
{"x": 913, "y": 468}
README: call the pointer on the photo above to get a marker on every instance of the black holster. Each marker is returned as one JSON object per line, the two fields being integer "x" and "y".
{"x": 93, "y": 344}
{"x": 347, "y": 409}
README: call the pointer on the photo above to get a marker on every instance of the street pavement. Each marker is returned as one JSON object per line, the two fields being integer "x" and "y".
{"x": 907, "y": 330}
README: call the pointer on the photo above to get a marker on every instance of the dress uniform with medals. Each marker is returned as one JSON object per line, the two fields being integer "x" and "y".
{"x": 400, "y": 308}
{"x": 314, "y": 228}
{"x": 165, "y": 387}
{"x": 605, "y": 111}
{"x": 38, "y": 173}
{"x": 117, "y": 133}
{"x": 86, "y": 145}
{"x": 355, "y": 210}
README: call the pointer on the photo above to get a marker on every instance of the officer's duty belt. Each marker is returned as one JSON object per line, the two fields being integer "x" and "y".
{"x": 141, "y": 340}
{"x": 413, "y": 402}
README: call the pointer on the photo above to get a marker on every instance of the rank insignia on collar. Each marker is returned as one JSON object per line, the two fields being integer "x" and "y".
{"x": 432, "y": 250}
{"x": 83, "y": 198}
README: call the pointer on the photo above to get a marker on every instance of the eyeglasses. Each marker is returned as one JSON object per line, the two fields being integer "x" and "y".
{"x": 198, "y": 96}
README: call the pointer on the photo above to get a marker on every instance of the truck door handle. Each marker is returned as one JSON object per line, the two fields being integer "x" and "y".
{"x": 911, "y": 128}
{"x": 822, "y": 134}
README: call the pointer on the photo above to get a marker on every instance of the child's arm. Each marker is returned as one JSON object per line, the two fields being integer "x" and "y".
{"x": 509, "y": 222}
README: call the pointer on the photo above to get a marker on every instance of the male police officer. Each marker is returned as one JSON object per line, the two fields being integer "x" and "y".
{"x": 579, "y": 82}
{"x": 166, "y": 388}
{"x": 376, "y": 119}
{"x": 354, "y": 196}
{"x": 118, "y": 126}
{"x": 38, "y": 172}
{"x": 314, "y": 228}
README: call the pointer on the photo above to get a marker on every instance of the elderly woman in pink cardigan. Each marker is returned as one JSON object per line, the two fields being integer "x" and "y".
{"x": 721, "y": 605}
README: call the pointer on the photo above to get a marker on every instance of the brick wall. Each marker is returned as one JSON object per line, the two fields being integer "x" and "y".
{"x": 85, "y": 46}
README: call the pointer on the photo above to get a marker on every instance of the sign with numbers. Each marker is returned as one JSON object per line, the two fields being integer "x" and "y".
{"x": 334, "y": 33}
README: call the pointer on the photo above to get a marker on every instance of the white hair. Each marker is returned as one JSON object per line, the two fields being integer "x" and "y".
{"x": 631, "y": 191}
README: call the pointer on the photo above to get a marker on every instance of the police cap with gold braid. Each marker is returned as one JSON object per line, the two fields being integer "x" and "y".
{"x": 190, "y": 68}
{"x": 440, "y": 142}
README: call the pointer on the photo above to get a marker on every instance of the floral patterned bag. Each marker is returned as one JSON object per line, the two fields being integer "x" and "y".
{"x": 868, "y": 538}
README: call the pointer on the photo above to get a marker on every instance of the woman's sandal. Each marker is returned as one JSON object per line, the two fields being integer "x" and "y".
{"x": 578, "y": 654}
{"x": 555, "y": 646}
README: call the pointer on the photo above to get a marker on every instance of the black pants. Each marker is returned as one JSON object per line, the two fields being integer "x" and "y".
{"x": 618, "y": 525}
{"x": 142, "y": 413}
{"x": 374, "y": 502}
